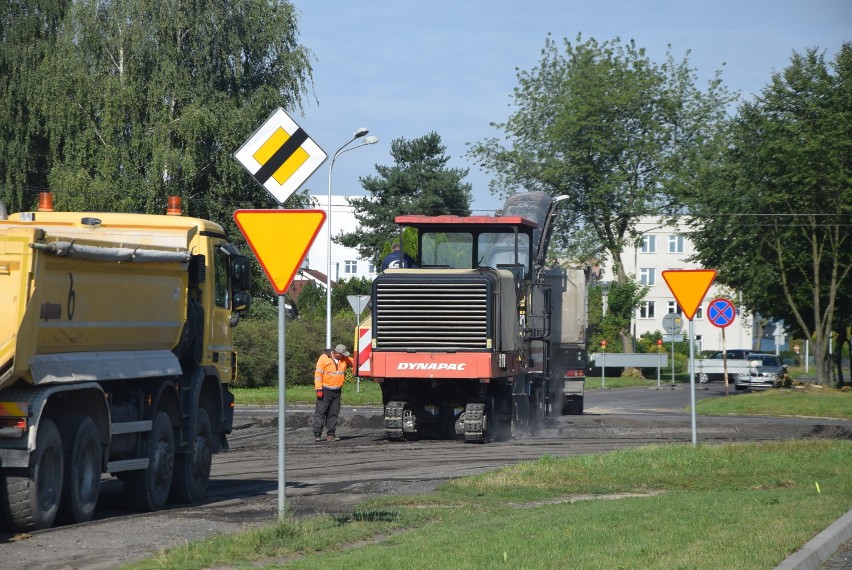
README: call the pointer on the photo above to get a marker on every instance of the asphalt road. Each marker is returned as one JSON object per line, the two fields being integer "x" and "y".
{"x": 334, "y": 477}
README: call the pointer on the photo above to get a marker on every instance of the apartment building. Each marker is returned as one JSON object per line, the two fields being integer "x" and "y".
{"x": 664, "y": 247}
{"x": 345, "y": 261}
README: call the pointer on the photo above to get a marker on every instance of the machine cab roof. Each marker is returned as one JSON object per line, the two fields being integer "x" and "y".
{"x": 472, "y": 242}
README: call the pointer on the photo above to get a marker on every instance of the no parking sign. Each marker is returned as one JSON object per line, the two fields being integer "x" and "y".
{"x": 721, "y": 312}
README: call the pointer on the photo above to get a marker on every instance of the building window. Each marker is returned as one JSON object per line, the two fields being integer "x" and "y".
{"x": 649, "y": 244}
{"x": 373, "y": 268}
{"x": 699, "y": 312}
{"x": 647, "y": 276}
{"x": 675, "y": 244}
{"x": 674, "y": 308}
{"x": 350, "y": 266}
{"x": 646, "y": 310}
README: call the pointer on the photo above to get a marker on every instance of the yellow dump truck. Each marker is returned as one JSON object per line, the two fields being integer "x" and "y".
{"x": 116, "y": 352}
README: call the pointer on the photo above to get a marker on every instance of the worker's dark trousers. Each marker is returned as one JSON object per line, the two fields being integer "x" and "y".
{"x": 326, "y": 412}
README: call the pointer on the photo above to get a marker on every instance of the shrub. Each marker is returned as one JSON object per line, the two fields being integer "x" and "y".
{"x": 256, "y": 341}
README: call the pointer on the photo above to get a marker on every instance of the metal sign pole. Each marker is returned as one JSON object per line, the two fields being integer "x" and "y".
{"x": 659, "y": 361}
{"x": 673, "y": 362}
{"x": 692, "y": 378}
{"x": 358, "y": 304}
{"x": 282, "y": 383}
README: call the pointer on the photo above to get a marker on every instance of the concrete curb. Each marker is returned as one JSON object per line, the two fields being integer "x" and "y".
{"x": 821, "y": 547}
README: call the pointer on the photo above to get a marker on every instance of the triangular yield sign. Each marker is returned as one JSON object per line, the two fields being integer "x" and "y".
{"x": 689, "y": 287}
{"x": 280, "y": 239}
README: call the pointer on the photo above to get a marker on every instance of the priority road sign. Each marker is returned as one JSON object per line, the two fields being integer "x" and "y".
{"x": 280, "y": 239}
{"x": 721, "y": 312}
{"x": 280, "y": 155}
{"x": 689, "y": 287}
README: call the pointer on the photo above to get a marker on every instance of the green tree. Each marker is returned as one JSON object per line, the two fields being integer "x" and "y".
{"x": 28, "y": 31}
{"x": 772, "y": 213}
{"x": 612, "y": 130}
{"x": 419, "y": 182}
{"x": 145, "y": 99}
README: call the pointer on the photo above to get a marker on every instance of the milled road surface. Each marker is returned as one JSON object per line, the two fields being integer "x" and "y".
{"x": 334, "y": 477}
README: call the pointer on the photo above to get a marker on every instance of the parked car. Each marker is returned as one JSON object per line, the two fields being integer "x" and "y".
{"x": 767, "y": 371}
{"x": 734, "y": 353}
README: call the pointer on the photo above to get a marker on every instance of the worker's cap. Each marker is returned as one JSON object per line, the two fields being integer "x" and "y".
{"x": 341, "y": 348}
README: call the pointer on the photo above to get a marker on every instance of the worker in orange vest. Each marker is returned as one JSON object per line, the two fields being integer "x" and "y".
{"x": 328, "y": 383}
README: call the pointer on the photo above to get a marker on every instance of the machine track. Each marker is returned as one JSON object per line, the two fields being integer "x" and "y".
{"x": 393, "y": 421}
{"x": 475, "y": 420}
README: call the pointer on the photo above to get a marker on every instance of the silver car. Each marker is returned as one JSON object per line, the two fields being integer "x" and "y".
{"x": 767, "y": 371}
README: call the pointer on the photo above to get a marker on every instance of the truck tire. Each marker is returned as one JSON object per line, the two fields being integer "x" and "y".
{"x": 30, "y": 500}
{"x": 83, "y": 455}
{"x": 192, "y": 470}
{"x": 148, "y": 490}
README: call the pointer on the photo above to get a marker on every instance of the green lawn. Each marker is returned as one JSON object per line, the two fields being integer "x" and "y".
{"x": 667, "y": 506}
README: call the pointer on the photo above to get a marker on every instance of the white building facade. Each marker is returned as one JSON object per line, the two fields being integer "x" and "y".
{"x": 345, "y": 261}
{"x": 665, "y": 247}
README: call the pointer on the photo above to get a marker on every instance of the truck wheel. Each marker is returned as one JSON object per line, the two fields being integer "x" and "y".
{"x": 30, "y": 500}
{"x": 192, "y": 470}
{"x": 83, "y": 455}
{"x": 148, "y": 490}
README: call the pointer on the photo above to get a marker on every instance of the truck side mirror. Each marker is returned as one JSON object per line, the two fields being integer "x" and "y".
{"x": 242, "y": 301}
{"x": 240, "y": 273}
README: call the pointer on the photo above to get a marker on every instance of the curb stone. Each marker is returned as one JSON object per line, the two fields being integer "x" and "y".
{"x": 821, "y": 547}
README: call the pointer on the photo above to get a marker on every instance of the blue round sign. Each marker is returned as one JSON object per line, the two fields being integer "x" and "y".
{"x": 721, "y": 312}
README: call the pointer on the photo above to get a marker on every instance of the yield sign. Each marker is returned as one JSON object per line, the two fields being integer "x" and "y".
{"x": 689, "y": 287}
{"x": 280, "y": 155}
{"x": 721, "y": 312}
{"x": 280, "y": 239}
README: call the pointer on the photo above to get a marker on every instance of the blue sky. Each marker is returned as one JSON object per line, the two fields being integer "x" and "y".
{"x": 403, "y": 68}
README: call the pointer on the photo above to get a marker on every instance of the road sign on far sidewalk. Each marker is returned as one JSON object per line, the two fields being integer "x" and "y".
{"x": 673, "y": 323}
{"x": 721, "y": 312}
{"x": 358, "y": 303}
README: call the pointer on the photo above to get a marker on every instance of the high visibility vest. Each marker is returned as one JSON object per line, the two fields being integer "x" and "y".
{"x": 329, "y": 373}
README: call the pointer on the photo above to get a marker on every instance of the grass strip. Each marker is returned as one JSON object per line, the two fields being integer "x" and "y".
{"x": 720, "y": 506}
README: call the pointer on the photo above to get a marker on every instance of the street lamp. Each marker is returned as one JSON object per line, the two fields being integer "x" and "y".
{"x": 369, "y": 140}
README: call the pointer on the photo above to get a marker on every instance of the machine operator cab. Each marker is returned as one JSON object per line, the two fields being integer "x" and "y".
{"x": 474, "y": 242}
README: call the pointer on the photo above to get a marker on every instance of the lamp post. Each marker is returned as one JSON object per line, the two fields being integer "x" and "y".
{"x": 369, "y": 140}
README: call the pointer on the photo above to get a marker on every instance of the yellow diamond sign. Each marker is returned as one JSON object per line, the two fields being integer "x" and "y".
{"x": 280, "y": 239}
{"x": 689, "y": 287}
{"x": 280, "y": 155}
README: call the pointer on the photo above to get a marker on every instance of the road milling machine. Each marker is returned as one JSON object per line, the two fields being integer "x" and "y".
{"x": 480, "y": 341}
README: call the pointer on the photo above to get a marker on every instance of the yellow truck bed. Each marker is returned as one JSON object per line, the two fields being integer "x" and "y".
{"x": 72, "y": 294}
